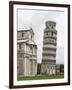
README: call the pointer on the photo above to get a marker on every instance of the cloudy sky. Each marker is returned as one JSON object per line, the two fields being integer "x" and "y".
{"x": 36, "y": 19}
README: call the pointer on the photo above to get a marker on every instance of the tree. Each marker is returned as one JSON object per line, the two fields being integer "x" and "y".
{"x": 61, "y": 68}
{"x": 38, "y": 68}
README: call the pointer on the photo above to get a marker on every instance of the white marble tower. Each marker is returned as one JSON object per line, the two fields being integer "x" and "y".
{"x": 49, "y": 48}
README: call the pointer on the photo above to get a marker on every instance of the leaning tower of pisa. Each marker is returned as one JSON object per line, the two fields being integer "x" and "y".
{"x": 49, "y": 48}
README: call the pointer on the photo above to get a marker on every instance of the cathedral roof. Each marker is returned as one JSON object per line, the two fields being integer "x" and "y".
{"x": 26, "y": 30}
{"x": 19, "y": 41}
{"x": 28, "y": 41}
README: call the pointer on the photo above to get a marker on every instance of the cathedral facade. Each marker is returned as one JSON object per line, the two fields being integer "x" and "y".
{"x": 26, "y": 53}
{"x": 49, "y": 49}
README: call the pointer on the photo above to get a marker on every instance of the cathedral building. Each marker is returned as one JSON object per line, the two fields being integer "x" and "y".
{"x": 49, "y": 49}
{"x": 26, "y": 53}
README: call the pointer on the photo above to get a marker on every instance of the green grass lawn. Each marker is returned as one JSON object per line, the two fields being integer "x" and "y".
{"x": 40, "y": 77}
